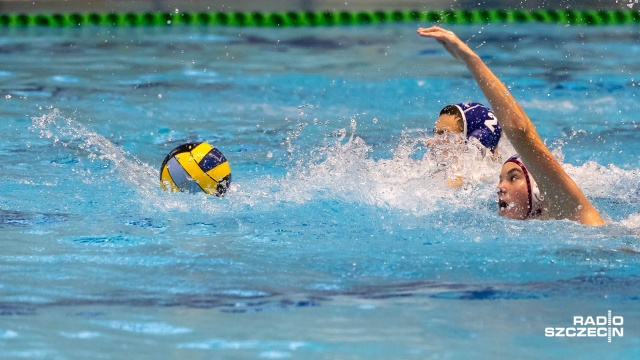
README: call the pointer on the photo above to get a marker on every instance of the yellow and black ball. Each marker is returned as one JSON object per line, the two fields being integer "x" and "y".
{"x": 195, "y": 167}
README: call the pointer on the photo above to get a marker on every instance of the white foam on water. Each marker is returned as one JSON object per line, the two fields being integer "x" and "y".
{"x": 346, "y": 169}
{"x": 341, "y": 168}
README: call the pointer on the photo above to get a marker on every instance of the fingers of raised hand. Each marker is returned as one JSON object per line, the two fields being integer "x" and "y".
{"x": 435, "y": 31}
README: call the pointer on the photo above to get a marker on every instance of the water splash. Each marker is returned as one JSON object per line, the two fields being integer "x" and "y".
{"x": 632, "y": 223}
{"x": 342, "y": 169}
{"x": 606, "y": 181}
{"x": 69, "y": 133}
{"x": 345, "y": 169}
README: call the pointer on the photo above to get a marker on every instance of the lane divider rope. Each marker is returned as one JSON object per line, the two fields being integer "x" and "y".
{"x": 323, "y": 18}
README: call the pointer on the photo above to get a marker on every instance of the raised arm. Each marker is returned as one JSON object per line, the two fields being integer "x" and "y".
{"x": 566, "y": 200}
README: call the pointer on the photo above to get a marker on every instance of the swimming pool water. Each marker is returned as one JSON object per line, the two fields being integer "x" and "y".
{"x": 338, "y": 238}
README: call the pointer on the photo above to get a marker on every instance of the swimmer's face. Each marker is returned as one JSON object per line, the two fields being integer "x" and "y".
{"x": 446, "y": 132}
{"x": 513, "y": 196}
{"x": 448, "y": 123}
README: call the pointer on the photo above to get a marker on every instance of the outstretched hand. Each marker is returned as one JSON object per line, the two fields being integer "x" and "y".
{"x": 456, "y": 47}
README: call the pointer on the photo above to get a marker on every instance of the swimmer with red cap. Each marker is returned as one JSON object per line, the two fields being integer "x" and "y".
{"x": 558, "y": 196}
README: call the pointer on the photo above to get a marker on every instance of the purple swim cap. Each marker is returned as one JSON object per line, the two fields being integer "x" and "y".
{"x": 480, "y": 123}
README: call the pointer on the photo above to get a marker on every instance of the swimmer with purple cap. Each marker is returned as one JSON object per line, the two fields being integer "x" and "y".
{"x": 553, "y": 194}
{"x": 471, "y": 123}
{"x": 472, "y": 119}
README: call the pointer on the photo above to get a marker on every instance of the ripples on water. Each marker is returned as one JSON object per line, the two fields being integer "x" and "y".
{"x": 337, "y": 206}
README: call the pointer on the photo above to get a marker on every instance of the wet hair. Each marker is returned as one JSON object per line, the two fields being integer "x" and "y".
{"x": 451, "y": 110}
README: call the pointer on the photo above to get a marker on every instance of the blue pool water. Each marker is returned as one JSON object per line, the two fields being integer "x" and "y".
{"x": 338, "y": 238}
